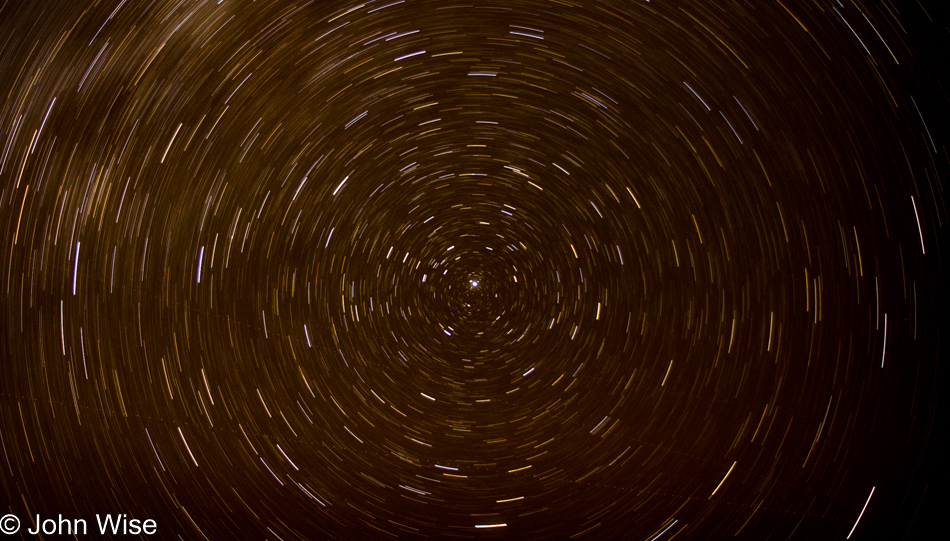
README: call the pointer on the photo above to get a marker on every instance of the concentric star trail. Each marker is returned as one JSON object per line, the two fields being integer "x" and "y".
{"x": 532, "y": 269}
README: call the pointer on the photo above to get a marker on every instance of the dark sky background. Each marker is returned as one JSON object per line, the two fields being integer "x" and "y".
{"x": 475, "y": 270}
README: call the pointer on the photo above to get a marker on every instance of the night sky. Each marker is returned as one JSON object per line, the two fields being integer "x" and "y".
{"x": 612, "y": 269}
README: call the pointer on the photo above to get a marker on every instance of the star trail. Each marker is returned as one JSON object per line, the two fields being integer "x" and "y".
{"x": 537, "y": 269}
